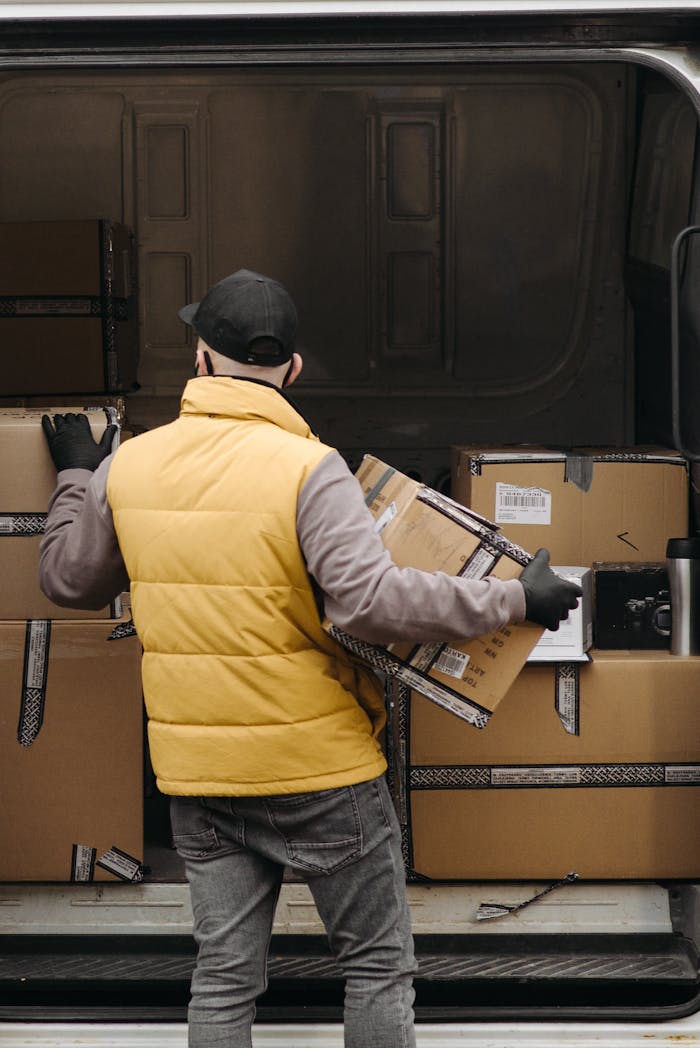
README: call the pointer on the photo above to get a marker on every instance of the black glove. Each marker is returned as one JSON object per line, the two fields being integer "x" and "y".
{"x": 72, "y": 444}
{"x": 548, "y": 598}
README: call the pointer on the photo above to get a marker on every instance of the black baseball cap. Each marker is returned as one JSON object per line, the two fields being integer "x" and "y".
{"x": 240, "y": 310}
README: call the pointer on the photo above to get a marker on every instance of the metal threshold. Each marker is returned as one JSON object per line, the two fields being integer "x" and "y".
{"x": 146, "y": 979}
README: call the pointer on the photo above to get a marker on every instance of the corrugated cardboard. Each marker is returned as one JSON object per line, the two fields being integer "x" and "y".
{"x": 423, "y": 529}
{"x": 27, "y": 481}
{"x": 76, "y": 778}
{"x": 574, "y": 637}
{"x": 525, "y": 800}
{"x": 67, "y": 402}
{"x": 590, "y": 504}
{"x": 68, "y": 318}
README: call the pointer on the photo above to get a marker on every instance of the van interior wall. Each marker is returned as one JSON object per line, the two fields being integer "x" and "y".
{"x": 454, "y": 237}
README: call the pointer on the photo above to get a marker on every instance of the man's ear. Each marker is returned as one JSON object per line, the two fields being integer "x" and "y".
{"x": 294, "y": 371}
{"x": 202, "y": 360}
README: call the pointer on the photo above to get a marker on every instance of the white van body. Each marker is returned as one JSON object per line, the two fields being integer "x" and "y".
{"x": 285, "y": 109}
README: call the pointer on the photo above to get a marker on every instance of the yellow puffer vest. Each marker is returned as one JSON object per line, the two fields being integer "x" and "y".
{"x": 245, "y": 693}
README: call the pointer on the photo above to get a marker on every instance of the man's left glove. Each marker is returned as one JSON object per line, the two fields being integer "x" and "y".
{"x": 72, "y": 444}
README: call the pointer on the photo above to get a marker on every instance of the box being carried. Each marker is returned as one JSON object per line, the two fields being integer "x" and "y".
{"x": 423, "y": 529}
{"x": 582, "y": 505}
{"x": 27, "y": 481}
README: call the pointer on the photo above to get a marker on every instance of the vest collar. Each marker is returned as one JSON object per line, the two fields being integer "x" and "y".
{"x": 244, "y": 400}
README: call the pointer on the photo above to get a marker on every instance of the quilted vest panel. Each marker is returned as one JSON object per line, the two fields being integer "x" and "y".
{"x": 244, "y": 691}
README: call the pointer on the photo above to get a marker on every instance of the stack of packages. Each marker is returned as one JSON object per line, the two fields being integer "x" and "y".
{"x": 71, "y": 723}
{"x": 566, "y": 754}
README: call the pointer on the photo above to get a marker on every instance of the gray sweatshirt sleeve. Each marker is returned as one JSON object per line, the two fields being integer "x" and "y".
{"x": 80, "y": 564}
{"x": 366, "y": 594}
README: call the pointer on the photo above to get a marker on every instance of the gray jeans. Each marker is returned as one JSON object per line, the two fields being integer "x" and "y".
{"x": 345, "y": 843}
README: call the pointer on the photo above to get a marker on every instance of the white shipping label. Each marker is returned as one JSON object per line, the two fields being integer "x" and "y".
{"x": 36, "y": 653}
{"x": 566, "y": 697}
{"x": 83, "y": 863}
{"x": 479, "y": 564}
{"x": 680, "y": 774}
{"x": 121, "y": 864}
{"x": 423, "y": 657}
{"x": 452, "y": 663}
{"x": 516, "y": 505}
{"x": 552, "y": 776}
{"x": 385, "y": 518}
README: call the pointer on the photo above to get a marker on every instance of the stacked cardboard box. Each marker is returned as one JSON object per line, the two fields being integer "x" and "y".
{"x": 67, "y": 308}
{"x": 615, "y": 794}
{"x": 71, "y": 725}
{"x": 590, "y": 504}
{"x": 523, "y": 799}
{"x": 71, "y": 770}
{"x": 27, "y": 480}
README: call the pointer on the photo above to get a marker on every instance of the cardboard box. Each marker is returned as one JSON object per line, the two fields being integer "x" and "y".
{"x": 66, "y": 402}
{"x": 67, "y": 316}
{"x": 71, "y": 752}
{"x": 584, "y": 505}
{"x": 424, "y": 529}
{"x": 525, "y": 800}
{"x": 574, "y": 637}
{"x": 27, "y": 481}
{"x": 632, "y": 606}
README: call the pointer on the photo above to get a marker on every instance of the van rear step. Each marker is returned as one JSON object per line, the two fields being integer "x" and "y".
{"x": 147, "y": 978}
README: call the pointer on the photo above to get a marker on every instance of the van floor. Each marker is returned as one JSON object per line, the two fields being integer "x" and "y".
{"x": 146, "y": 978}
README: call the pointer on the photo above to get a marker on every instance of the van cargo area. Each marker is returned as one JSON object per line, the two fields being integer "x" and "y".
{"x": 478, "y": 219}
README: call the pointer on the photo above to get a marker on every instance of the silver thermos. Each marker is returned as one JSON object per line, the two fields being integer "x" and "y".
{"x": 683, "y": 563}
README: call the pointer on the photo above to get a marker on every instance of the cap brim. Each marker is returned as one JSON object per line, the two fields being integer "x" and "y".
{"x": 187, "y": 313}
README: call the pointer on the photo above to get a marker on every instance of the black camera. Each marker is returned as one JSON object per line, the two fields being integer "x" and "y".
{"x": 645, "y": 615}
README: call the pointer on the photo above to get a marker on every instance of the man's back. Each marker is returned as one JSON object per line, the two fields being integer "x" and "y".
{"x": 245, "y": 692}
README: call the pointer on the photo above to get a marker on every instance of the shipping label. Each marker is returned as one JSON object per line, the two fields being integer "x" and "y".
{"x": 83, "y": 863}
{"x": 424, "y": 656}
{"x": 385, "y": 518}
{"x": 682, "y": 774}
{"x": 549, "y": 776}
{"x": 479, "y": 564}
{"x": 567, "y": 696}
{"x": 121, "y": 864}
{"x": 452, "y": 663}
{"x": 515, "y": 505}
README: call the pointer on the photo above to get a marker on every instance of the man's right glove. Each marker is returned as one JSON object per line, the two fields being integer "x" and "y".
{"x": 72, "y": 444}
{"x": 548, "y": 597}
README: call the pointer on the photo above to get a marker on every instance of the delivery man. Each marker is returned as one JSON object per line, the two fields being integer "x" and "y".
{"x": 237, "y": 530}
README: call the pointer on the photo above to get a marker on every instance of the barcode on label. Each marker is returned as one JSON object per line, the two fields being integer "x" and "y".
{"x": 524, "y": 500}
{"x": 452, "y": 663}
{"x": 516, "y": 505}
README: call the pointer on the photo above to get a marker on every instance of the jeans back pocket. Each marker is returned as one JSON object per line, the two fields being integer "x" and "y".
{"x": 322, "y": 831}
